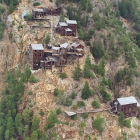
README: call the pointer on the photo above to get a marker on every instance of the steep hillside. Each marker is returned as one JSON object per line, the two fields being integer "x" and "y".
{"x": 34, "y": 103}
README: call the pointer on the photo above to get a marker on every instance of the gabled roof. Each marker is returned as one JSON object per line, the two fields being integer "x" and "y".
{"x": 71, "y": 22}
{"x": 128, "y": 100}
{"x": 63, "y": 24}
{"x": 70, "y": 113}
{"x": 37, "y": 46}
{"x": 65, "y": 45}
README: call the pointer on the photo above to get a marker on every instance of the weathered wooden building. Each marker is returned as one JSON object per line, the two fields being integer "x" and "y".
{"x": 38, "y": 13}
{"x": 36, "y": 54}
{"x": 68, "y": 28}
{"x": 128, "y": 105}
{"x": 57, "y": 56}
{"x": 43, "y": 11}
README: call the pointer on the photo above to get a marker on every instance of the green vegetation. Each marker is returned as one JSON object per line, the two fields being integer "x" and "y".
{"x": 85, "y": 116}
{"x": 58, "y": 92}
{"x": 58, "y": 111}
{"x": 96, "y": 103}
{"x": 123, "y": 121}
{"x": 51, "y": 120}
{"x": 87, "y": 66}
{"x": 63, "y": 75}
{"x": 62, "y": 16}
{"x": 2, "y": 27}
{"x": 47, "y": 39}
{"x": 105, "y": 94}
{"x": 86, "y": 91}
{"x": 80, "y": 104}
{"x": 99, "y": 124}
{"x": 2, "y": 8}
{"x": 77, "y": 72}
{"x": 28, "y": 17}
{"x": 30, "y": 93}
{"x": 68, "y": 102}
{"x": 14, "y": 124}
{"x": 36, "y": 4}
{"x": 73, "y": 95}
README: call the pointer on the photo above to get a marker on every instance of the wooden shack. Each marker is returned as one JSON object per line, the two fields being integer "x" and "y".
{"x": 53, "y": 11}
{"x": 128, "y": 105}
{"x": 72, "y": 24}
{"x": 68, "y": 28}
{"x": 36, "y": 55}
{"x": 38, "y": 13}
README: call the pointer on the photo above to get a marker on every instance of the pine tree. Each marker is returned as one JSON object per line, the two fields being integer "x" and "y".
{"x": 35, "y": 123}
{"x": 77, "y": 73}
{"x": 51, "y": 120}
{"x": 18, "y": 121}
{"x": 62, "y": 16}
{"x": 26, "y": 116}
{"x": 11, "y": 7}
{"x": 47, "y": 39}
{"x": 34, "y": 135}
{"x": 87, "y": 73}
{"x": 86, "y": 92}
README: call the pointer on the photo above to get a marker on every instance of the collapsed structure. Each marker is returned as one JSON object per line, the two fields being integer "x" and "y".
{"x": 128, "y": 105}
{"x": 45, "y": 58}
{"x": 67, "y": 28}
{"x": 43, "y": 11}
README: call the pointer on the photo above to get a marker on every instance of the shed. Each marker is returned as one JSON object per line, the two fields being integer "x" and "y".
{"x": 70, "y": 113}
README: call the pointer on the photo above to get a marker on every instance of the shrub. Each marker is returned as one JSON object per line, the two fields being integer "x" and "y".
{"x": 127, "y": 123}
{"x": 58, "y": 111}
{"x": 63, "y": 75}
{"x": 74, "y": 117}
{"x": 2, "y": 27}
{"x": 28, "y": 17}
{"x": 36, "y": 4}
{"x": 95, "y": 103}
{"x": 75, "y": 107}
{"x": 58, "y": 91}
{"x": 32, "y": 79}
{"x": 68, "y": 102}
{"x": 80, "y": 104}
{"x": 41, "y": 113}
{"x": 99, "y": 124}
{"x": 73, "y": 95}
{"x": 85, "y": 115}
{"x": 47, "y": 39}
{"x": 30, "y": 93}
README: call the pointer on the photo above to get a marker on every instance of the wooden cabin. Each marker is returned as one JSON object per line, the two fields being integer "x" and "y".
{"x": 53, "y": 11}
{"x": 72, "y": 24}
{"x": 128, "y": 105}
{"x": 36, "y": 54}
{"x": 38, "y": 13}
{"x": 60, "y": 28}
{"x": 68, "y": 28}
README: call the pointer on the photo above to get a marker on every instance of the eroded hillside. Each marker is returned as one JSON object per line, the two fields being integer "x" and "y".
{"x": 114, "y": 68}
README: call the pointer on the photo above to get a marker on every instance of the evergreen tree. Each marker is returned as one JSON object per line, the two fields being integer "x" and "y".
{"x": 47, "y": 39}
{"x": 18, "y": 121}
{"x": 11, "y": 7}
{"x": 86, "y": 92}
{"x": 35, "y": 123}
{"x": 10, "y": 127}
{"x": 81, "y": 34}
{"x": 26, "y": 130}
{"x": 62, "y": 16}
{"x": 34, "y": 135}
{"x": 26, "y": 116}
{"x": 77, "y": 73}
{"x": 99, "y": 123}
{"x": 87, "y": 66}
{"x": 51, "y": 120}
